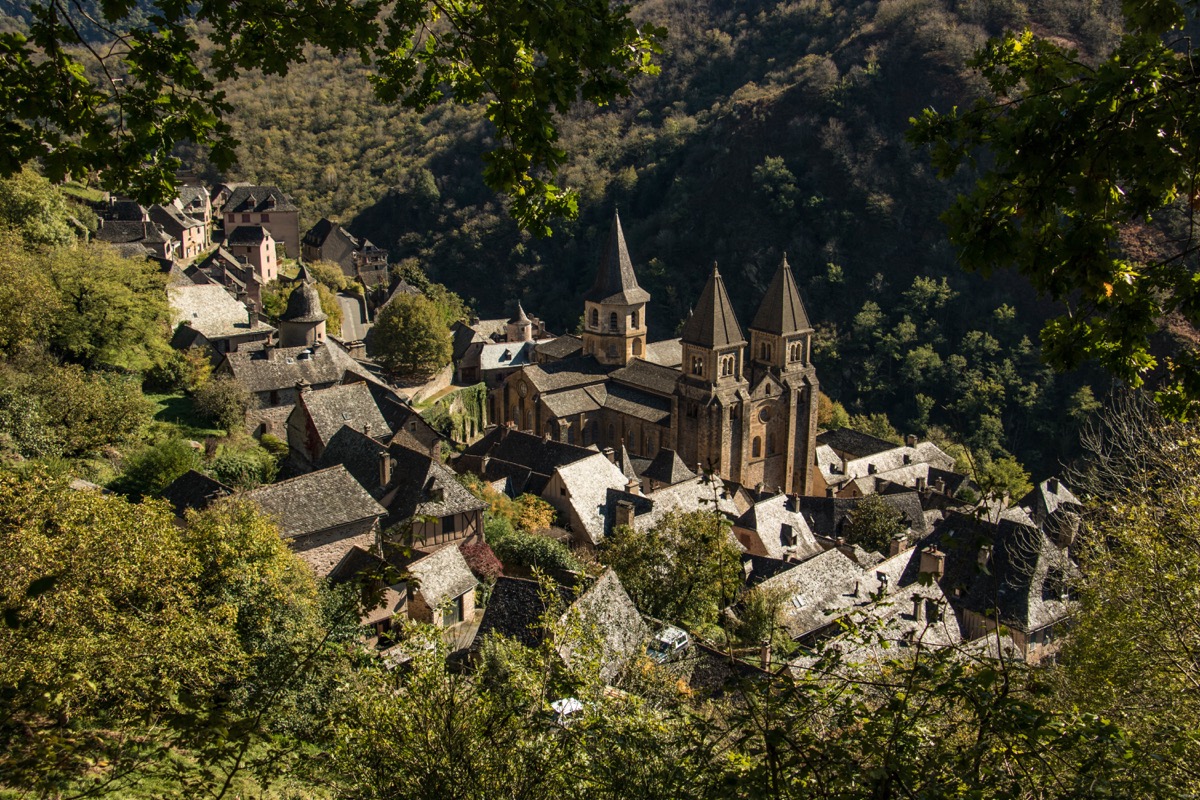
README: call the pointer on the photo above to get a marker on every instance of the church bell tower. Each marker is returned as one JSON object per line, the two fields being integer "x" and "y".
{"x": 614, "y": 324}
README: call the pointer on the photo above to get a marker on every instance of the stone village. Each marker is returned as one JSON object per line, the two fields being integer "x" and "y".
{"x": 612, "y": 427}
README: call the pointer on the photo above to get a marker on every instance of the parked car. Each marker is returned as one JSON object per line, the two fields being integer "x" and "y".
{"x": 670, "y": 644}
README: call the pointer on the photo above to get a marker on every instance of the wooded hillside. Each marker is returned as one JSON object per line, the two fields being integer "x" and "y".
{"x": 773, "y": 128}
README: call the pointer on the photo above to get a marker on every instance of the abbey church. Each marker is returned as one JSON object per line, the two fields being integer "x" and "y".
{"x": 743, "y": 409}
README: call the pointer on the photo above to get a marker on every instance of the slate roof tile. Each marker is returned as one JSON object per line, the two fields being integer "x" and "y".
{"x": 316, "y": 501}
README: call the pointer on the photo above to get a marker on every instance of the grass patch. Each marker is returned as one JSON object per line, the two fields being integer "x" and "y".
{"x": 179, "y": 410}
{"x": 81, "y": 192}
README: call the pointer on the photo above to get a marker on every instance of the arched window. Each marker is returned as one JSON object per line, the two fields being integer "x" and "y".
{"x": 570, "y": 434}
{"x": 612, "y": 321}
{"x": 697, "y": 365}
{"x": 770, "y": 443}
{"x": 633, "y": 319}
{"x": 637, "y": 347}
{"x": 529, "y": 419}
{"x": 612, "y": 433}
{"x": 515, "y": 415}
{"x": 756, "y": 448}
{"x": 595, "y": 318}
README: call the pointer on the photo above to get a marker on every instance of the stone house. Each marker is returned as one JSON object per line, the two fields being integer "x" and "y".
{"x": 253, "y": 246}
{"x": 209, "y": 315}
{"x": 323, "y": 516}
{"x": 265, "y": 206}
{"x": 442, "y": 591}
{"x": 319, "y": 414}
{"x": 191, "y": 233}
{"x": 328, "y": 241}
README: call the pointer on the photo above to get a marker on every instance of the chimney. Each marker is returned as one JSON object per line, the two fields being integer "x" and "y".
{"x": 894, "y": 546}
{"x": 385, "y": 469}
{"x": 302, "y": 386}
{"x": 829, "y": 491}
{"x": 933, "y": 562}
{"x": 366, "y": 429}
{"x": 921, "y": 484}
{"x": 910, "y": 440}
{"x": 940, "y": 485}
{"x": 933, "y": 610}
{"x": 764, "y": 653}
{"x": 610, "y": 454}
{"x": 918, "y": 604}
{"x": 633, "y": 486}
{"x": 624, "y": 513}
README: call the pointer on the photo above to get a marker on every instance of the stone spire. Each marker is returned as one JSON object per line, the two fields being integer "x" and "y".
{"x": 781, "y": 311}
{"x": 616, "y": 282}
{"x": 712, "y": 323}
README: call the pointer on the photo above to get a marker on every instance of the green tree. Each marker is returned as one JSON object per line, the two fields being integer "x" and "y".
{"x": 112, "y": 311}
{"x": 873, "y": 524}
{"x": 1076, "y": 153}
{"x": 149, "y": 472}
{"x": 876, "y": 425}
{"x": 35, "y": 208}
{"x": 68, "y": 109}
{"x": 410, "y": 336}
{"x": 224, "y": 402}
{"x": 685, "y": 569}
{"x": 28, "y": 302}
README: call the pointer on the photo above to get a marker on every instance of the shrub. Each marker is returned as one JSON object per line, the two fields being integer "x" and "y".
{"x": 526, "y": 550}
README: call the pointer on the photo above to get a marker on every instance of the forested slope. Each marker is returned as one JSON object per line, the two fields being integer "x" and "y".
{"x": 773, "y": 128}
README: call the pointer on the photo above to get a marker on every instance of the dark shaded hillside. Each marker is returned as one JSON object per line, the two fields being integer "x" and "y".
{"x": 774, "y": 127}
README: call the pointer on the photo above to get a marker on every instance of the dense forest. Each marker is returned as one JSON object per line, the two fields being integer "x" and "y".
{"x": 772, "y": 129}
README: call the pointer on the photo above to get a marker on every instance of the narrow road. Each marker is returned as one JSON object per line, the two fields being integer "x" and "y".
{"x": 354, "y": 320}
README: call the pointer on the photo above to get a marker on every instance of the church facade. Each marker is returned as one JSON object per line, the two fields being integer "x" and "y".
{"x": 744, "y": 409}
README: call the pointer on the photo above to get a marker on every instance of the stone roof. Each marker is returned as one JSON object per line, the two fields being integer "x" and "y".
{"x": 646, "y": 375}
{"x": 316, "y": 501}
{"x": 560, "y": 347}
{"x": 211, "y": 311}
{"x": 195, "y": 490}
{"x": 501, "y": 444}
{"x": 248, "y": 236}
{"x": 588, "y": 481}
{"x": 781, "y": 311}
{"x": 506, "y": 355}
{"x": 777, "y": 521}
{"x": 575, "y": 401}
{"x": 712, "y": 324}
{"x": 344, "y": 405}
{"x": 1048, "y": 497}
{"x": 565, "y": 374}
{"x": 826, "y": 515}
{"x": 668, "y": 468}
{"x": 304, "y": 305}
{"x": 442, "y": 576}
{"x": 520, "y": 316}
{"x": 358, "y": 453}
{"x": 424, "y": 486}
{"x": 516, "y": 609}
{"x": 696, "y": 494}
{"x": 258, "y": 199}
{"x": 173, "y": 219}
{"x": 283, "y": 367}
{"x": 665, "y": 353}
{"x": 117, "y": 231}
{"x": 190, "y": 195}
{"x": 318, "y": 233}
{"x": 636, "y": 403}
{"x": 821, "y": 584}
{"x": 615, "y": 279}
{"x": 608, "y": 617}
{"x": 756, "y": 569}
{"x": 854, "y": 444}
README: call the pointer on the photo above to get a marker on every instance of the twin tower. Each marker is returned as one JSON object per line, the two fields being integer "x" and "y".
{"x": 746, "y": 409}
